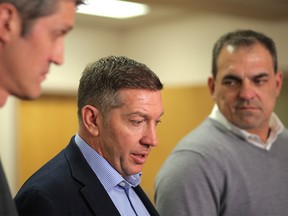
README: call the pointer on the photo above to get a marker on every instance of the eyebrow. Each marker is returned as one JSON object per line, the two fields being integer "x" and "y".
{"x": 235, "y": 77}
{"x": 143, "y": 114}
{"x": 230, "y": 76}
{"x": 261, "y": 75}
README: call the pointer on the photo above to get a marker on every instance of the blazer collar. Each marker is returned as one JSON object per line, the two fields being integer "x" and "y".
{"x": 92, "y": 191}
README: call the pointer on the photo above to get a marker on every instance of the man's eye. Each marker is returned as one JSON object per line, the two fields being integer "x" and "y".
{"x": 158, "y": 121}
{"x": 60, "y": 33}
{"x": 137, "y": 122}
{"x": 230, "y": 82}
{"x": 260, "y": 81}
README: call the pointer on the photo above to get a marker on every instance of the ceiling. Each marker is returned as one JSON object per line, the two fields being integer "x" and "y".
{"x": 262, "y": 9}
{"x": 163, "y": 10}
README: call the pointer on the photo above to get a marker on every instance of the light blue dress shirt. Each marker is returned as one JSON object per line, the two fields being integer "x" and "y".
{"x": 127, "y": 202}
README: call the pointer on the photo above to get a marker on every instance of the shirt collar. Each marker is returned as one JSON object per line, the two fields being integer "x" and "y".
{"x": 276, "y": 127}
{"x": 107, "y": 175}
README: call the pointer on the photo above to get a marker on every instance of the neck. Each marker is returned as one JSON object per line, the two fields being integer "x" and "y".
{"x": 263, "y": 134}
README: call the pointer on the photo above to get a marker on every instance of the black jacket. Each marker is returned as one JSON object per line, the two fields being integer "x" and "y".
{"x": 66, "y": 185}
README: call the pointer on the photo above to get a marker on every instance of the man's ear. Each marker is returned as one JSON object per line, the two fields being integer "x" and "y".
{"x": 90, "y": 115}
{"x": 9, "y": 22}
{"x": 211, "y": 86}
{"x": 279, "y": 80}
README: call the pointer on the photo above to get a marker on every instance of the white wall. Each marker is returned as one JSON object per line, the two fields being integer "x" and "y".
{"x": 178, "y": 51}
{"x": 8, "y": 141}
{"x": 82, "y": 46}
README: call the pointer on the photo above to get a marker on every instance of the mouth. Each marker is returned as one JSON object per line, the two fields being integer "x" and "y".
{"x": 43, "y": 76}
{"x": 139, "y": 158}
{"x": 247, "y": 107}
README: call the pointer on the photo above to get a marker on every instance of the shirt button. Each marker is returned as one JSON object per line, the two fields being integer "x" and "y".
{"x": 122, "y": 184}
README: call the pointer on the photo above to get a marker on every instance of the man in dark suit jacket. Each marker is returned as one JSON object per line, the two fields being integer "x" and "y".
{"x": 119, "y": 106}
{"x": 66, "y": 185}
{"x": 23, "y": 25}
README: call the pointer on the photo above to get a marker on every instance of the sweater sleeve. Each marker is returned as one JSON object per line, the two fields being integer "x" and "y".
{"x": 188, "y": 184}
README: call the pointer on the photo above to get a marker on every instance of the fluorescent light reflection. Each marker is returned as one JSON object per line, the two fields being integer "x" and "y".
{"x": 113, "y": 9}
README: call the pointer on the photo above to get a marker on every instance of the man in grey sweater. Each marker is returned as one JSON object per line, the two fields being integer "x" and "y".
{"x": 235, "y": 162}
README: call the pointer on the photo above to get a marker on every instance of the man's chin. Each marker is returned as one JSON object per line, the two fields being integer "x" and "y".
{"x": 31, "y": 95}
{"x": 248, "y": 124}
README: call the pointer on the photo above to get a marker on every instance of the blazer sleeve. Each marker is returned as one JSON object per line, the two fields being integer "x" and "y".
{"x": 36, "y": 203}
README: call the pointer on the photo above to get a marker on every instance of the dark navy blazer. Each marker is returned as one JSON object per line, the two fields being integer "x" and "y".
{"x": 66, "y": 185}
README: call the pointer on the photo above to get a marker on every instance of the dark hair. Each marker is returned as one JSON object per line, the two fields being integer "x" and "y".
{"x": 101, "y": 81}
{"x": 30, "y": 10}
{"x": 243, "y": 38}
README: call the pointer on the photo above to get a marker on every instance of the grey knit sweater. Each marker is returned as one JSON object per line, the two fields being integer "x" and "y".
{"x": 214, "y": 172}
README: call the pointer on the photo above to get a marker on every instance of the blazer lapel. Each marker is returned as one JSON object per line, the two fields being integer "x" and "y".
{"x": 93, "y": 191}
{"x": 149, "y": 206}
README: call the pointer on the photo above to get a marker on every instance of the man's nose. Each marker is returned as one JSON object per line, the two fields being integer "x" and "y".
{"x": 150, "y": 136}
{"x": 57, "y": 56}
{"x": 247, "y": 91}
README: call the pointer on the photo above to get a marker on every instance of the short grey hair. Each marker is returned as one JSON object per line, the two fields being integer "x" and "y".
{"x": 101, "y": 81}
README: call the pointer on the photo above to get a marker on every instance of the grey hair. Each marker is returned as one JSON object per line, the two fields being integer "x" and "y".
{"x": 243, "y": 38}
{"x": 101, "y": 81}
{"x": 31, "y": 10}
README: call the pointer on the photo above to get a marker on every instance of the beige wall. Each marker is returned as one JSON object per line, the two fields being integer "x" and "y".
{"x": 178, "y": 51}
{"x": 44, "y": 128}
